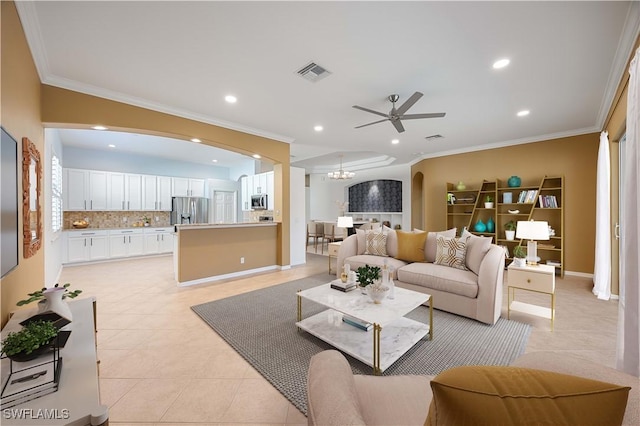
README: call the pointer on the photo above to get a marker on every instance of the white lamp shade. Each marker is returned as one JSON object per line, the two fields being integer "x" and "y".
{"x": 532, "y": 230}
{"x": 345, "y": 222}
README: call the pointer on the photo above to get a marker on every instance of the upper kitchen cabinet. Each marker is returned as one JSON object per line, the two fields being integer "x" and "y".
{"x": 156, "y": 192}
{"x": 270, "y": 190}
{"x": 85, "y": 190}
{"x": 262, "y": 183}
{"x": 124, "y": 191}
{"x": 186, "y": 187}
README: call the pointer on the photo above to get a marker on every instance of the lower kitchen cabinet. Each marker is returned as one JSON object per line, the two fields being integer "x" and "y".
{"x": 83, "y": 246}
{"x": 158, "y": 240}
{"x": 126, "y": 242}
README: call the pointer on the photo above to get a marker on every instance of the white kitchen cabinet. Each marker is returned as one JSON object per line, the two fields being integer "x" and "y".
{"x": 260, "y": 183}
{"x": 85, "y": 190}
{"x": 126, "y": 242}
{"x": 246, "y": 186}
{"x": 83, "y": 246}
{"x": 156, "y": 193}
{"x": 124, "y": 191}
{"x": 270, "y": 190}
{"x": 158, "y": 240}
{"x": 186, "y": 187}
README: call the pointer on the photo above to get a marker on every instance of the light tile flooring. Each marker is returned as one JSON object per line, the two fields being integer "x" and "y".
{"x": 161, "y": 364}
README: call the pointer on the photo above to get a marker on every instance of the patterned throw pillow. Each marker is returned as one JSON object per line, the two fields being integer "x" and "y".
{"x": 376, "y": 243}
{"x": 451, "y": 252}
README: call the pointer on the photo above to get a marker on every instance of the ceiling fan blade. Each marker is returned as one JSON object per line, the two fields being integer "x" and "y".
{"x": 429, "y": 115}
{"x": 369, "y": 124}
{"x": 370, "y": 110}
{"x": 409, "y": 103}
{"x": 398, "y": 125}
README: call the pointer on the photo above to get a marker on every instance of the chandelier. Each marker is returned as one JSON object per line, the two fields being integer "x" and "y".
{"x": 340, "y": 174}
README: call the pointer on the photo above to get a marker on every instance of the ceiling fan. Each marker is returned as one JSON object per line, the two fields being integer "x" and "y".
{"x": 397, "y": 115}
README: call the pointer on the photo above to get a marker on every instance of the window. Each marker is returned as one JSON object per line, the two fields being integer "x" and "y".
{"x": 56, "y": 194}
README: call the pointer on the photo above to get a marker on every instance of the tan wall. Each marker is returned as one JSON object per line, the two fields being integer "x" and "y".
{"x": 20, "y": 111}
{"x": 574, "y": 157}
{"x": 217, "y": 251}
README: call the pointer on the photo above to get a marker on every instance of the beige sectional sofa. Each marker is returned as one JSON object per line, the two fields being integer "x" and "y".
{"x": 336, "y": 396}
{"x": 474, "y": 293}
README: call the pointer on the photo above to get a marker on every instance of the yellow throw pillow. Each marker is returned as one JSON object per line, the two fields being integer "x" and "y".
{"x": 490, "y": 395}
{"x": 411, "y": 246}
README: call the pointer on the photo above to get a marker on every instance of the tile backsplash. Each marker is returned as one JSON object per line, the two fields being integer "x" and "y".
{"x": 115, "y": 219}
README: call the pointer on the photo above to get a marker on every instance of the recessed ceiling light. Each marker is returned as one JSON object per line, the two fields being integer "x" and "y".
{"x": 256, "y": 156}
{"x": 99, "y": 128}
{"x": 318, "y": 128}
{"x": 215, "y": 161}
{"x": 196, "y": 140}
{"x": 395, "y": 141}
{"x": 501, "y": 63}
{"x": 523, "y": 113}
{"x": 231, "y": 99}
{"x": 111, "y": 145}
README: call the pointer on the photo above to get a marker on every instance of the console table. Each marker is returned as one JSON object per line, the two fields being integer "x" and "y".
{"x": 77, "y": 400}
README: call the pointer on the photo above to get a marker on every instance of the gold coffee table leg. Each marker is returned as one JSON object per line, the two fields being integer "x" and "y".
{"x": 299, "y": 308}
{"x": 376, "y": 349}
{"x": 430, "y": 317}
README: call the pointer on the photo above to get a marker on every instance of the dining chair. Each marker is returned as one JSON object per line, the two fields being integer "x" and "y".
{"x": 312, "y": 232}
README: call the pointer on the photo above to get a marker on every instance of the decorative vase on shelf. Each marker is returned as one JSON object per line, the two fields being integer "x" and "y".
{"x": 491, "y": 226}
{"x": 461, "y": 186}
{"x": 53, "y": 302}
{"x": 480, "y": 226}
{"x": 511, "y": 235}
{"x": 514, "y": 182}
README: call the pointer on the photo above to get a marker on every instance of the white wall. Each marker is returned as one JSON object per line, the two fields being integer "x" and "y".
{"x": 298, "y": 227}
{"x": 324, "y": 192}
{"x": 80, "y": 158}
{"x": 52, "y": 242}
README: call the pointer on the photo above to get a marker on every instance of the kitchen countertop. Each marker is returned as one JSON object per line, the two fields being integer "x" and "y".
{"x": 196, "y": 226}
{"x": 89, "y": 228}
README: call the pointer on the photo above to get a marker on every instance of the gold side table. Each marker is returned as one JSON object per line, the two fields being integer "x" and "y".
{"x": 333, "y": 251}
{"x": 539, "y": 279}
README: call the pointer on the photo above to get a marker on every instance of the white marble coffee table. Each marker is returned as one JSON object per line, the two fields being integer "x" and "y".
{"x": 375, "y": 348}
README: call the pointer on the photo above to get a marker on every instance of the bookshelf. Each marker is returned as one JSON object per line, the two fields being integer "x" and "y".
{"x": 546, "y": 203}
{"x": 469, "y": 208}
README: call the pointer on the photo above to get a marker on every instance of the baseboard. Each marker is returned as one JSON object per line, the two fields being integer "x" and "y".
{"x": 230, "y": 275}
{"x": 578, "y": 274}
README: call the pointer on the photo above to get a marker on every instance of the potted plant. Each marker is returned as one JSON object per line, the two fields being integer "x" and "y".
{"x": 33, "y": 340}
{"x": 488, "y": 202}
{"x": 510, "y": 230}
{"x": 367, "y": 275}
{"x": 40, "y": 294}
{"x": 519, "y": 255}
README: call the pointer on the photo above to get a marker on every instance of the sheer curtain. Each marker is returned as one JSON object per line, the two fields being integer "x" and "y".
{"x": 628, "y": 350}
{"x": 602, "y": 267}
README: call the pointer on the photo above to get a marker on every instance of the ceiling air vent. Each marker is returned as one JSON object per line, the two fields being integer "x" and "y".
{"x": 313, "y": 72}
{"x": 433, "y": 137}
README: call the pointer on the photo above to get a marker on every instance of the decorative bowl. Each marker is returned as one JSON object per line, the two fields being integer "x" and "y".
{"x": 81, "y": 224}
{"x": 377, "y": 293}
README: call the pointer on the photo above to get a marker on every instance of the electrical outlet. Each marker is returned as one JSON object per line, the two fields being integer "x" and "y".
{"x": 242, "y": 260}
{"x": 157, "y": 218}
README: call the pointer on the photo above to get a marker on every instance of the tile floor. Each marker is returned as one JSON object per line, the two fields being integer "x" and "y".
{"x": 160, "y": 364}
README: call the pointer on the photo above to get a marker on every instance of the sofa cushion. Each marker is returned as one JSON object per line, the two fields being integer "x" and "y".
{"x": 451, "y": 252}
{"x": 367, "y": 259}
{"x": 361, "y": 236}
{"x": 438, "y": 277}
{"x": 376, "y": 242}
{"x": 392, "y": 242}
{"x": 477, "y": 247}
{"x": 411, "y": 246}
{"x": 430, "y": 245}
{"x": 490, "y": 395}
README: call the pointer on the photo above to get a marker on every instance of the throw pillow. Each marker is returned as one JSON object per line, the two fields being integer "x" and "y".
{"x": 490, "y": 395}
{"x": 392, "y": 242}
{"x": 430, "y": 247}
{"x": 411, "y": 246}
{"x": 451, "y": 252}
{"x": 477, "y": 247}
{"x": 362, "y": 240}
{"x": 376, "y": 243}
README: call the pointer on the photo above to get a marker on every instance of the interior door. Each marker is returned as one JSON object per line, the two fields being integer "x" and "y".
{"x": 224, "y": 207}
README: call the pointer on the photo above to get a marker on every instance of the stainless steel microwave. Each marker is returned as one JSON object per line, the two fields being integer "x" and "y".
{"x": 259, "y": 202}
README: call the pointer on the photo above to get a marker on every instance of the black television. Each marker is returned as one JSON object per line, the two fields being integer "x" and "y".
{"x": 8, "y": 203}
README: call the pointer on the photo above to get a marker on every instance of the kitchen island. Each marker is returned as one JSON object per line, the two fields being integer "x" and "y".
{"x": 210, "y": 252}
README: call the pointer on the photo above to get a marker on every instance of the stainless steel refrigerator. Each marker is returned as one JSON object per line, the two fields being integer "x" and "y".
{"x": 189, "y": 210}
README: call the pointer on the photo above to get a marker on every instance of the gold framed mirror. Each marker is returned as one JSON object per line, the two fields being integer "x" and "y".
{"x": 31, "y": 193}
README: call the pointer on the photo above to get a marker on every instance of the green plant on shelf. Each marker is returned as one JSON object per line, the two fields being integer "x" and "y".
{"x": 39, "y": 295}
{"x": 488, "y": 199}
{"x": 519, "y": 252}
{"x": 510, "y": 226}
{"x": 31, "y": 337}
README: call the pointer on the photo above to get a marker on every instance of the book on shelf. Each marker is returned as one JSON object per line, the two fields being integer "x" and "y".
{"x": 355, "y": 322}
{"x": 548, "y": 201}
{"x": 553, "y": 263}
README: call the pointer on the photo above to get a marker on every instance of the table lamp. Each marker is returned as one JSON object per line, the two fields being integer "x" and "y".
{"x": 346, "y": 222}
{"x": 532, "y": 230}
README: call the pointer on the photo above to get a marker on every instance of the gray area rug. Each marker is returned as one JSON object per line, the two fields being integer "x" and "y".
{"x": 260, "y": 325}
